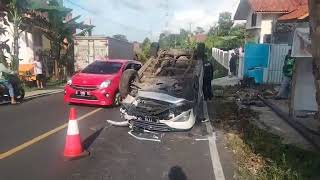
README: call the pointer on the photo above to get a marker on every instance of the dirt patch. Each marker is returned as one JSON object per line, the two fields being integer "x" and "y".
{"x": 259, "y": 153}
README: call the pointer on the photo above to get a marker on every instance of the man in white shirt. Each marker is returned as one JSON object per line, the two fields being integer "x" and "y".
{"x": 38, "y": 70}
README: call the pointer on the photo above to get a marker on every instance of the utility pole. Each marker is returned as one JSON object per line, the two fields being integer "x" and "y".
{"x": 167, "y": 16}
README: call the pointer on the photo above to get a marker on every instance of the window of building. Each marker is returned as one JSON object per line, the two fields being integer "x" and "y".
{"x": 254, "y": 20}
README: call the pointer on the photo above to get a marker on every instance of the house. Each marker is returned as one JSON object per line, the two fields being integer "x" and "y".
{"x": 198, "y": 38}
{"x": 272, "y": 21}
{"x": 29, "y": 42}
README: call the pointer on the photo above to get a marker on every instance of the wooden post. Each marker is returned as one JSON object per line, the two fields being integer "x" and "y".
{"x": 314, "y": 13}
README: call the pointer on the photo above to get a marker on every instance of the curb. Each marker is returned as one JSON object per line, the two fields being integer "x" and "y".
{"x": 43, "y": 94}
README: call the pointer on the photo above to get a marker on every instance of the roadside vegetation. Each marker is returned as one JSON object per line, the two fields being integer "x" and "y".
{"x": 260, "y": 154}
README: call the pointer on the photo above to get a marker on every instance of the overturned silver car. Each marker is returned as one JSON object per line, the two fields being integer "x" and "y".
{"x": 165, "y": 94}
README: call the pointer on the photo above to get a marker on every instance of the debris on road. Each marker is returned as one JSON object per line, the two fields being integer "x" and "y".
{"x": 145, "y": 135}
{"x": 120, "y": 124}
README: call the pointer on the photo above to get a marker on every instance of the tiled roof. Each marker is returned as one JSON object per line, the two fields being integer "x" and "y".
{"x": 200, "y": 37}
{"x": 301, "y": 13}
{"x": 276, "y": 6}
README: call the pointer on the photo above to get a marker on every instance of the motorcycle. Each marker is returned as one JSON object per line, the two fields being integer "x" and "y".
{"x": 19, "y": 92}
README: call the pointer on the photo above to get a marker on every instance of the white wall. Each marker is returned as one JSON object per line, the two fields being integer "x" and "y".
{"x": 267, "y": 24}
{"x": 26, "y": 52}
{"x": 264, "y": 23}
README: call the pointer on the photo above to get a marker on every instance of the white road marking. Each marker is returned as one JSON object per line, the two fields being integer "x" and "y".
{"x": 216, "y": 164}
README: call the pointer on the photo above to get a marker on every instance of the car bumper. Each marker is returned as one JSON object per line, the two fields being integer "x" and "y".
{"x": 103, "y": 97}
{"x": 163, "y": 125}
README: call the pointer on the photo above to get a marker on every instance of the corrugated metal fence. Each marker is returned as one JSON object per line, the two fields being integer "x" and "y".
{"x": 276, "y": 61}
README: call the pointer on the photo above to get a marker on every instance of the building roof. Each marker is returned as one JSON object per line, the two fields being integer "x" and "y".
{"x": 292, "y": 9}
{"x": 199, "y": 38}
{"x": 301, "y": 13}
{"x": 276, "y": 6}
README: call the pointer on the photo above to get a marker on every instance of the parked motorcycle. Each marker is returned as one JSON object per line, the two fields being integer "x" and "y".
{"x": 18, "y": 90}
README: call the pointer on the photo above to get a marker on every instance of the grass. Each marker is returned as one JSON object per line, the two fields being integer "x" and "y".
{"x": 260, "y": 154}
{"x": 51, "y": 84}
{"x": 219, "y": 70}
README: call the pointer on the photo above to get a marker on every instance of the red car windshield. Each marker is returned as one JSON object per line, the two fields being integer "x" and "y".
{"x": 102, "y": 67}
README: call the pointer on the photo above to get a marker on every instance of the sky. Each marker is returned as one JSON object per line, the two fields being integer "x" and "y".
{"x": 138, "y": 19}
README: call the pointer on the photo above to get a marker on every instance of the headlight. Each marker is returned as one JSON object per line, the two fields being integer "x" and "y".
{"x": 69, "y": 82}
{"x": 105, "y": 84}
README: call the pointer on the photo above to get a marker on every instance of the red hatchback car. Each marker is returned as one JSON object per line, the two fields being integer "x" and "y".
{"x": 98, "y": 83}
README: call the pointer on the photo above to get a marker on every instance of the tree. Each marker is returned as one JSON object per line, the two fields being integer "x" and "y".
{"x": 181, "y": 40}
{"x": 225, "y": 23}
{"x": 224, "y": 35}
{"x": 14, "y": 10}
{"x": 199, "y": 30}
{"x": 120, "y": 37}
{"x": 3, "y": 44}
{"x": 59, "y": 32}
{"x": 314, "y": 9}
{"x": 145, "y": 46}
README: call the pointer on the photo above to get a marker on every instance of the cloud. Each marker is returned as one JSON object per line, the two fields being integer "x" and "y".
{"x": 140, "y": 18}
{"x": 191, "y": 18}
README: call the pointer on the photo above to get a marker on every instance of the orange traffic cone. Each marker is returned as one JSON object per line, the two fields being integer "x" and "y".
{"x": 73, "y": 148}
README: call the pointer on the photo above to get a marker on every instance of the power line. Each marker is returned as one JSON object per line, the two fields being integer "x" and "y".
{"x": 79, "y": 6}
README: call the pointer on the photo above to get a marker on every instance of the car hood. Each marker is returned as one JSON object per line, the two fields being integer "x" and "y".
{"x": 91, "y": 79}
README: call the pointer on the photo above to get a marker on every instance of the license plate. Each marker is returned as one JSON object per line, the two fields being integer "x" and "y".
{"x": 83, "y": 93}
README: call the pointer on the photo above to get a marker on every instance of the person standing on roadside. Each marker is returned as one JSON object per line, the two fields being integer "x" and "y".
{"x": 38, "y": 69}
{"x": 233, "y": 64}
{"x": 287, "y": 71}
{"x": 207, "y": 79}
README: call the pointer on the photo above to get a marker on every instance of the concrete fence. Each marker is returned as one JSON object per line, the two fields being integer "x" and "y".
{"x": 223, "y": 58}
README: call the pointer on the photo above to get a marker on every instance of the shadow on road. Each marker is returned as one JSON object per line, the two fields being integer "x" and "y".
{"x": 177, "y": 173}
{"x": 89, "y": 140}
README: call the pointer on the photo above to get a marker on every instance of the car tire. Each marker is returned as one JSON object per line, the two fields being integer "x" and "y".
{"x": 128, "y": 77}
{"x": 117, "y": 99}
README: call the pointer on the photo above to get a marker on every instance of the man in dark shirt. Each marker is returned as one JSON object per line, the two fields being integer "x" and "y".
{"x": 233, "y": 64}
{"x": 207, "y": 78}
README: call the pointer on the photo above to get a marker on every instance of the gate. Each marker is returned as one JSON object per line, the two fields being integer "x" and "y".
{"x": 278, "y": 53}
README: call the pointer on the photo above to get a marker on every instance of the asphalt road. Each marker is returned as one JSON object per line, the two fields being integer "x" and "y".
{"x": 114, "y": 153}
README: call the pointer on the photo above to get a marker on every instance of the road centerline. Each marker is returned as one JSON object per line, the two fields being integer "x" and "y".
{"x": 43, "y": 136}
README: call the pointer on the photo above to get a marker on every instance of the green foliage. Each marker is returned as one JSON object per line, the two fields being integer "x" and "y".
{"x": 120, "y": 37}
{"x": 180, "y": 41}
{"x": 224, "y": 35}
{"x": 285, "y": 161}
{"x": 199, "y": 30}
{"x": 145, "y": 46}
{"x": 225, "y": 23}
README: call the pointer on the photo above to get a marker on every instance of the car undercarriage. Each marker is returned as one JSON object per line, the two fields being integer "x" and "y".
{"x": 166, "y": 95}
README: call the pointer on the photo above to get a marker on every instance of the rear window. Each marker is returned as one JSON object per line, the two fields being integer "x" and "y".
{"x": 102, "y": 67}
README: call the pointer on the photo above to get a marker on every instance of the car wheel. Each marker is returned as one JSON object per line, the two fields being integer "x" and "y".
{"x": 117, "y": 99}
{"x": 128, "y": 77}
